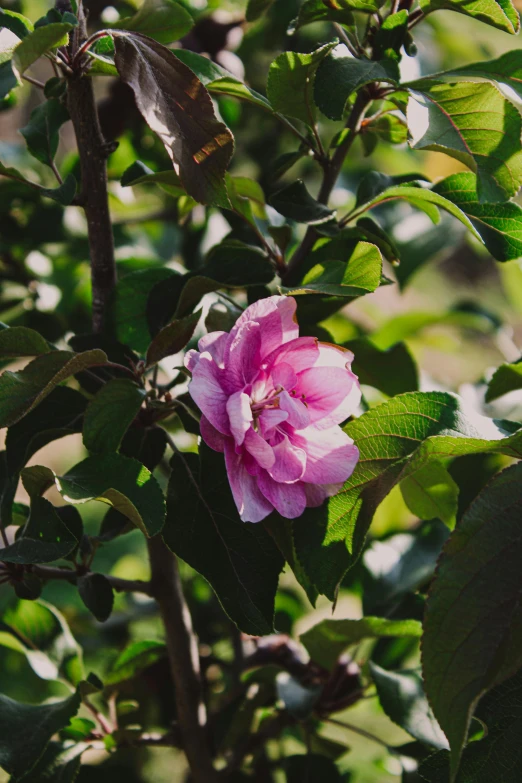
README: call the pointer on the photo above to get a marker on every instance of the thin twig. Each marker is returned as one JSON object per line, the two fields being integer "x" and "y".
{"x": 68, "y": 575}
{"x": 56, "y": 172}
{"x": 31, "y": 80}
{"x": 362, "y": 732}
{"x": 343, "y": 35}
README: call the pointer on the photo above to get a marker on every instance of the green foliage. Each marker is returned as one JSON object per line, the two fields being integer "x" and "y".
{"x": 163, "y": 20}
{"x": 109, "y": 415}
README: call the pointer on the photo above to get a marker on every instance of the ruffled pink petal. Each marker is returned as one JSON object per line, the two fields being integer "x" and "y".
{"x": 242, "y": 357}
{"x": 331, "y": 394}
{"x": 290, "y": 462}
{"x": 191, "y": 360}
{"x": 207, "y": 392}
{"x": 330, "y": 355}
{"x": 269, "y": 420}
{"x": 330, "y": 454}
{"x": 239, "y": 415}
{"x": 211, "y": 436}
{"x": 298, "y": 415}
{"x": 259, "y": 449}
{"x": 214, "y": 343}
{"x": 300, "y": 354}
{"x": 283, "y": 376}
{"x": 288, "y": 499}
{"x": 252, "y": 504}
{"x": 276, "y": 317}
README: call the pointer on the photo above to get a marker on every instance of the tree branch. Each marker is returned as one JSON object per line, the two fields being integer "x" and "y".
{"x": 331, "y": 173}
{"x": 184, "y": 660}
{"x": 93, "y": 157}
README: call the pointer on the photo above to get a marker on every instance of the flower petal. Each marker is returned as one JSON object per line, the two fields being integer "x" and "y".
{"x": 298, "y": 414}
{"x": 269, "y": 419}
{"x": 331, "y": 394}
{"x": 214, "y": 343}
{"x": 290, "y": 462}
{"x": 276, "y": 317}
{"x": 301, "y": 353}
{"x": 211, "y": 436}
{"x": 288, "y": 499}
{"x": 207, "y": 392}
{"x": 252, "y": 504}
{"x": 259, "y": 449}
{"x": 239, "y": 415}
{"x": 283, "y": 376}
{"x": 242, "y": 358}
{"x": 330, "y": 454}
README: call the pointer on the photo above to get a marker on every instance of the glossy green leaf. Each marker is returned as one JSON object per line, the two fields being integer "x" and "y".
{"x": 360, "y": 274}
{"x": 506, "y": 379}
{"x": 499, "y": 225}
{"x": 389, "y": 128}
{"x": 247, "y": 198}
{"x": 172, "y": 338}
{"x": 401, "y": 695}
{"x": 473, "y": 618}
{"x": 140, "y": 174}
{"x": 178, "y": 108}
{"x": 40, "y": 632}
{"x": 8, "y": 82}
{"x": 134, "y": 658}
{"x": 391, "y": 36}
{"x": 18, "y": 341}
{"x": 23, "y": 390}
{"x": 130, "y": 306}
{"x": 474, "y": 123}
{"x": 498, "y": 13}
{"x": 42, "y": 131}
{"x": 26, "y": 729}
{"x": 239, "y": 559}
{"x": 110, "y": 413}
{"x": 327, "y": 640}
{"x": 163, "y": 20}
{"x": 431, "y": 493}
{"x": 60, "y": 763}
{"x": 45, "y": 538}
{"x": 392, "y": 371}
{"x": 290, "y": 86}
{"x": 236, "y": 264}
{"x": 119, "y": 481}
{"x": 18, "y": 24}
{"x": 63, "y": 194}
{"x": 219, "y": 81}
{"x": 506, "y": 69}
{"x": 394, "y": 439}
{"x": 97, "y": 594}
{"x": 38, "y": 42}
{"x": 340, "y": 11}
{"x": 295, "y": 203}
{"x": 340, "y": 74}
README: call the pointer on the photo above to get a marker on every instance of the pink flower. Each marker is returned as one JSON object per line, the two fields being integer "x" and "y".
{"x": 272, "y": 402}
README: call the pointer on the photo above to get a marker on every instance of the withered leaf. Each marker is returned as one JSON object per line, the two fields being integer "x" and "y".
{"x": 177, "y": 106}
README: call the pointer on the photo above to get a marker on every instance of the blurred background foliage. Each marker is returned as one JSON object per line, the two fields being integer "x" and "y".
{"x": 458, "y": 313}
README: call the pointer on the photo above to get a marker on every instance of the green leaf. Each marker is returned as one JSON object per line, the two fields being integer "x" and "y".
{"x": 18, "y": 24}
{"x": 392, "y": 371}
{"x": 340, "y": 74}
{"x": 290, "y": 86}
{"x": 474, "y": 123}
{"x": 327, "y": 640}
{"x": 499, "y": 225}
{"x": 119, "y": 481}
{"x": 240, "y": 560}
{"x": 256, "y": 8}
{"x": 38, "y": 42}
{"x": 219, "y": 81}
{"x": 78, "y": 729}
{"x": 391, "y": 36}
{"x": 506, "y": 69}
{"x": 134, "y": 658}
{"x": 309, "y": 767}
{"x": 130, "y": 306}
{"x": 22, "y": 391}
{"x": 401, "y": 695}
{"x": 163, "y": 20}
{"x": 177, "y": 106}
{"x": 45, "y": 537}
{"x": 394, "y": 439}
{"x": 63, "y": 194}
{"x": 138, "y": 173}
{"x": 236, "y": 264}
{"x": 358, "y": 275}
{"x": 399, "y": 565}
{"x": 297, "y": 698}
{"x": 42, "y": 131}
{"x": 507, "y": 378}
{"x": 295, "y": 203}
{"x": 26, "y": 729}
{"x": 18, "y": 341}
{"x": 340, "y": 11}
{"x": 59, "y": 763}
{"x": 110, "y": 413}
{"x": 172, "y": 338}
{"x": 192, "y": 293}
{"x": 247, "y": 198}
{"x": 473, "y": 615}
{"x": 40, "y": 632}
{"x": 58, "y": 415}
{"x": 431, "y": 493}
{"x": 96, "y": 593}
{"x": 8, "y": 81}
{"x": 389, "y": 128}
{"x": 498, "y": 13}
